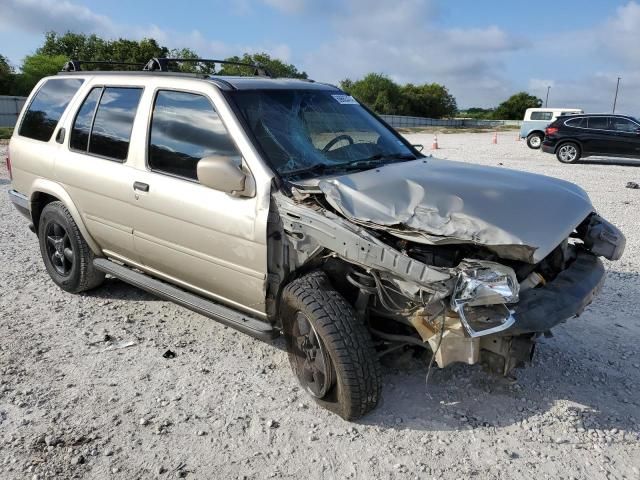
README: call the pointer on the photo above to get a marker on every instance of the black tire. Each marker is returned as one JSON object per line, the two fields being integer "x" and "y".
{"x": 568, "y": 152}
{"x": 534, "y": 140}
{"x": 352, "y": 381}
{"x": 67, "y": 257}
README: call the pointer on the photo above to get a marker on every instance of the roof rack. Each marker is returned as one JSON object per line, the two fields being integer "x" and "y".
{"x": 76, "y": 65}
{"x": 162, "y": 64}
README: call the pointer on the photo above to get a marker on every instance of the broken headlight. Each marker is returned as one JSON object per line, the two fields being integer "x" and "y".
{"x": 481, "y": 291}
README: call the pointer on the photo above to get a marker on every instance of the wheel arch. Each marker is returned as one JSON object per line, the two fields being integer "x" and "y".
{"x": 45, "y": 191}
{"x": 559, "y": 143}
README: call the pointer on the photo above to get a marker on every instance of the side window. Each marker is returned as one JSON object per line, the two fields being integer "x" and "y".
{"x": 623, "y": 125}
{"x": 599, "y": 123}
{"x": 576, "y": 123}
{"x": 84, "y": 120}
{"x": 113, "y": 122}
{"x": 541, "y": 115}
{"x": 47, "y": 107}
{"x": 185, "y": 128}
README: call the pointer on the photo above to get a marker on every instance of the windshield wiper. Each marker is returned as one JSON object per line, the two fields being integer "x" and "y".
{"x": 377, "y": 159}
{"x": 323, "y": 168}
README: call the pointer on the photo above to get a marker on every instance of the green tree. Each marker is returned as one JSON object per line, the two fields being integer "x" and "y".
{"x": 35, "y": 67}
{"x": 7, "y": 76}
{"x": 514, "y": 107}
{"x": 429, "y": 100}
{"x": 478, "y": 113}
{"x": 275, "y": 67}
{"x": 376, "y": 91}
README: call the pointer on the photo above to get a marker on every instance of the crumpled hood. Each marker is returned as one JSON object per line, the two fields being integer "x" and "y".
{"x": 522, "y": 216}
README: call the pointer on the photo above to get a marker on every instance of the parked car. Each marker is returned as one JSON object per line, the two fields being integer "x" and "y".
{"x": 282, "y": 206}
{"x": 571, "y": 139}
{"x": 537, "y": 119}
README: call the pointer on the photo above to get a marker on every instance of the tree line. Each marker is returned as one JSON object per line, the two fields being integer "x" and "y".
{"x": 377, "y": 91}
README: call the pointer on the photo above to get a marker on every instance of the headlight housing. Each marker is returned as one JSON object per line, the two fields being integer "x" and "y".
{"x": 480, "y": 295}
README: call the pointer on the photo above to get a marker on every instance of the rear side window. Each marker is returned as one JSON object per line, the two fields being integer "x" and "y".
{"x": 106, "y": 130}
{"x": 185, "y": 127}
{"x": 541, "y": 115}
{"x": 576, "y": 122}
{"x": 47, "y": 107}
{"x": 599, "y": 123}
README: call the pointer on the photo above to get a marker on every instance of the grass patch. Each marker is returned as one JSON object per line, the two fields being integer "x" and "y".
{"x": 5, "y": 133}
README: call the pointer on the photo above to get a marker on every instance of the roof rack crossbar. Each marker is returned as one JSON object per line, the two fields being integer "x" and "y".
{"x": 76, "y": 65}
{"x": 162, "y": 64}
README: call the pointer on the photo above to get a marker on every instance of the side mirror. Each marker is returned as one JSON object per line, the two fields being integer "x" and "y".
{"x": 221, "y": 173}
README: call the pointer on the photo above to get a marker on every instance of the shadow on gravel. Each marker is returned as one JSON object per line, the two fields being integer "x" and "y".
{"x": 4, "y": 181}
{"x": 621, "y": 162}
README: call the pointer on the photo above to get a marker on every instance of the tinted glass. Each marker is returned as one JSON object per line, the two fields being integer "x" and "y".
{"x": 301, "y": 130}
{"x": 541, "y": 115}
{"x": 47, "y": 107}
{"x": 113, "y": 123}
{"x": 82, "y": 125}
{"x": 185, "y": 128}
{"x": 576, "y": 122}
{"x": 601, "y": 123}
{"x": 623, "y": 125}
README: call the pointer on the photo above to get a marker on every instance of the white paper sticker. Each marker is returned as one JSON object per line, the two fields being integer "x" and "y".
{"x": 345, "y": 99}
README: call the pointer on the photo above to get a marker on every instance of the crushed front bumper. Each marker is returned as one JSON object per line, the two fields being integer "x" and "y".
{"x": 541, "y": 309}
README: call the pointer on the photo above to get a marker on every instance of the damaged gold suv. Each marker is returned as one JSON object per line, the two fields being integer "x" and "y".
{"x": 285, "y": 206}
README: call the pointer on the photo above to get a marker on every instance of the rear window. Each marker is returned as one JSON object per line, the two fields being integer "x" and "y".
{"x": 106, "y": 130}
{"x": 541, "y": 115}
{"x": 47, "y": 107}
{"x": 599, "y": 123}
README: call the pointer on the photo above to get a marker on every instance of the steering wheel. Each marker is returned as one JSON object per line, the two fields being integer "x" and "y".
{"x": 328, "y": 146}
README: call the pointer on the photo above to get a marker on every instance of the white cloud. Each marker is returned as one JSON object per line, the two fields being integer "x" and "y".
{"x": 401, "y": 40}
{"x": 40, "y": 16}
{"x": 287, "y": 6}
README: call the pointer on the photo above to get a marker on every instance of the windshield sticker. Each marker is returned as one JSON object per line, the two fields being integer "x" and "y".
{"x": 345, "y": 99}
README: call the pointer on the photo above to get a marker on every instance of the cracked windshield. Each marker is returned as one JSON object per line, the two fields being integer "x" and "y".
{"x": 306, "y": 132}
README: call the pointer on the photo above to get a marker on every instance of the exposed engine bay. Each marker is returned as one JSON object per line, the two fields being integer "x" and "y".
{"x": 471, "y": 299}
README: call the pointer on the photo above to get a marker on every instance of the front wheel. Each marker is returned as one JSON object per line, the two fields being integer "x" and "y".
{"x": 568, "y": 152}
{"x": 330, "y": 350}
{"x": 534, "y": 140}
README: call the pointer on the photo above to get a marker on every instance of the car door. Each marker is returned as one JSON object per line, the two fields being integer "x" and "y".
{"x": 598, "y": 139}
{"x": 627, "y": 135}
{"x": 200, "y": 238}
{"x": 94, "y": 168}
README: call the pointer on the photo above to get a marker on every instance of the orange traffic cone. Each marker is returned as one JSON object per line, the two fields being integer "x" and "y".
{"x": 434, "y": 145}
{"x": 495, "y": 138}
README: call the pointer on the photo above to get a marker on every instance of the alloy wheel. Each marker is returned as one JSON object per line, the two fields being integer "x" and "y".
{"x": 568, "y": 153}
{"x": 59, "y": 249}
{"x": 314, "y": 365}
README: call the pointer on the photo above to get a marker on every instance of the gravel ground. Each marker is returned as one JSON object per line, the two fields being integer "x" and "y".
{"x": 74, "y": 405}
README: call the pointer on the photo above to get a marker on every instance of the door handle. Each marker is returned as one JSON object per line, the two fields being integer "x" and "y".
{"x": 143, "y": 187}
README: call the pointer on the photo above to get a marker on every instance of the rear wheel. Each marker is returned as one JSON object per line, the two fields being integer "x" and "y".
{"x": 568, "y": 152}
{"x": 330, "y": 350}
{"x": 534, "y": 140}
{"x": 67, "y": 257}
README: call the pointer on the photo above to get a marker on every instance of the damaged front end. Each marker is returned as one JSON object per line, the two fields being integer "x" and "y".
{"x": 468, "y": 299}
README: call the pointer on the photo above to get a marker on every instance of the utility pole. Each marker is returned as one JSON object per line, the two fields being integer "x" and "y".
{"x": 546, "y": 102}
{"x": 615, "y": 99}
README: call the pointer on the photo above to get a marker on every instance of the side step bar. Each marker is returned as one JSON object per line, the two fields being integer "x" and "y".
{"x": 225, "y": 315}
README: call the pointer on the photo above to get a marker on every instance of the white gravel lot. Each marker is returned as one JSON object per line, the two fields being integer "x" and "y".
{"x": 228, "y": 407}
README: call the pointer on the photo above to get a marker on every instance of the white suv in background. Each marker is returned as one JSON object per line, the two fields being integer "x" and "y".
{"x": 537, "y": 119}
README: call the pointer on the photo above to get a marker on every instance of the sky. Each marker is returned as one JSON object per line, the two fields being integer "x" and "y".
{"x": 483, "y": 51}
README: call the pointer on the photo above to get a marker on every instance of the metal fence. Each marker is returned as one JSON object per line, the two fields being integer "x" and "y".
{"x": 398, "y": 121}
{"x": 10, "y": 108}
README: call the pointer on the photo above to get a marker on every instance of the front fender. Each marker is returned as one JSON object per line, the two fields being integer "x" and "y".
{"x": 42, "y": 185}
